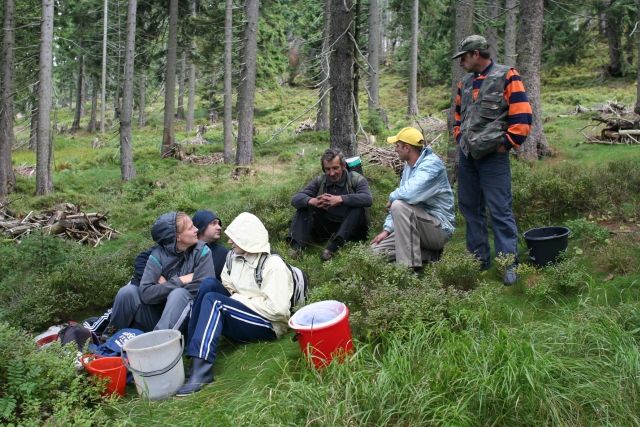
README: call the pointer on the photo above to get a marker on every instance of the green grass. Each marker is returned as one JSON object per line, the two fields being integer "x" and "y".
{"x": 560, "y": 348}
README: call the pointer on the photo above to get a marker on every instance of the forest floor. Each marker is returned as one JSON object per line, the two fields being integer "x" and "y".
{"x": 561, "y": 347}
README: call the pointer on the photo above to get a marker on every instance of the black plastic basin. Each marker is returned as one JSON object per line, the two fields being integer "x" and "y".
{"x": 546, "y": 243}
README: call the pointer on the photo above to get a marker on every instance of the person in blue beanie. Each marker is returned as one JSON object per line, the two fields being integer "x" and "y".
{"x": 209, "y": 231}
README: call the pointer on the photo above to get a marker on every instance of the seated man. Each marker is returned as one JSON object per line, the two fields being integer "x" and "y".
{"x": 209, "y": 231}
{"x": 237, "y": 307}
{"x": 332, "y": 206}
{"x": 421, "y": 217}
{"x": 173, "y": 271}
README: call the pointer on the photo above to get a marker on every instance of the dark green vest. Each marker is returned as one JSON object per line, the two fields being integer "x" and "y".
{"x": 484, "y": 121}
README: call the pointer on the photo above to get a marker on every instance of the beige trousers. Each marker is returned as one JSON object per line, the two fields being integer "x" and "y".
{"x": 416, "y": 235}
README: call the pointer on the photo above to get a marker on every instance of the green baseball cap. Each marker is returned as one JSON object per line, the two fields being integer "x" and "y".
{"x": 471, "y": 43}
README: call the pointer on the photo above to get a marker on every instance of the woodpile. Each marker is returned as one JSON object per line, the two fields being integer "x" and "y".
{"x": 25, "y": 170}
{"x": 187, "y": 154}
{"x": 306, "y": 126}
{"x": 617, "y": 124}
{"x": 205, "y": 159}
{"x": 64, "y": 220}
{"x": 381, "y": 156}
{"x": 619, "y": 128}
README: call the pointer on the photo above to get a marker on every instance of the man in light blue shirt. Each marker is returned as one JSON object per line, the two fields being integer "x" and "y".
{"x": 421, "y": 215}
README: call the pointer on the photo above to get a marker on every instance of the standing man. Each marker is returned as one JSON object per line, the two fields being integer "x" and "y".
{"x": 209, "y": 231}
{"x": 331, "y": 207}
{"x": 492, "y": 116}
{"x": 421, "y": 217}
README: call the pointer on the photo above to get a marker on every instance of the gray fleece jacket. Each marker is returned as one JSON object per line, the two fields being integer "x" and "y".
{"x": 166, "y": 261}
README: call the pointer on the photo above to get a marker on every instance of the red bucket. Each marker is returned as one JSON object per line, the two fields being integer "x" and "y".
{"x": 323, "y": 331}
{"x": 110, "y": 368}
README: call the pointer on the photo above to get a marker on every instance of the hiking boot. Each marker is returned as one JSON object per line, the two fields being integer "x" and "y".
{"x": 326, "y": 255}
{"x": 201, "y": 374}
{"x": 510, "y": 277}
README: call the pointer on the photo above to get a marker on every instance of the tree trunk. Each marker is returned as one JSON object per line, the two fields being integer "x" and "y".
{"x": 511, "y": 33}
{"x": 103, "y": 93}
{"x": 7, "y": 137}
{"x": 637, "y": 106}
{"x": 529, "y": 51}
{"x": 91, "y": 126}
{"x": 356, "y": 65}
{"x": 322, "y": 116}
{"x": 181, "y": 80}
{"x": 463, "y": 28}
{"x": 341, "y": 77}
{"x": 168, "y": 137}
{"x": 228, "y": 113}
{"x": 44, "y": 178}
{"x": 142, "y": 117}
{"x": 75, "y": 126}
{"x": 117, "y": 93}
{"x": 33, "y": 125}
{"x": 614, "y": 68}
{"x": 244, "y": 154}
{"x": 492, "y": 33}
{"x": 127, "y": 168}
{"x": 373, "y": 56}
{"x": 412, "y": 110}
{"x": 191, "y": 103}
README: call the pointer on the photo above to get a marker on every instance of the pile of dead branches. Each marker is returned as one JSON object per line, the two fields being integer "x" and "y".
{"x": 64, "y": 220}
{"x": 619, "y": 124}
{"x": 382, "y": 156}
{"x": 187, "y": 154}
{"x": 204, "y": 159}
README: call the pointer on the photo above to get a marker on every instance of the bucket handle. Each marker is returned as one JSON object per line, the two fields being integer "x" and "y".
{"x": 125, "y": 362}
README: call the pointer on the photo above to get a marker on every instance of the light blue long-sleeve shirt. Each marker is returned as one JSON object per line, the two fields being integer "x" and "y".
{"x": 425, "y": 184}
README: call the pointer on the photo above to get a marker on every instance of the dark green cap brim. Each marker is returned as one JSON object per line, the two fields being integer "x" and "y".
{"x": 459, "y": 54}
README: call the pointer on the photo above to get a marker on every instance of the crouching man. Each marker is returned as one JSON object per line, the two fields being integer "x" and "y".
{"x": 421, "y": 216}
{"x": 237, "y": 307}
{"x": 332, "y": 207}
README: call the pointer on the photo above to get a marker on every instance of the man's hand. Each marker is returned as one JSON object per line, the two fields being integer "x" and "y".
{"x": 186, "y": 279}
{"x": 315, "y": 202}
{"x": 162, "y": 280}
{"x": 501, "y": 148}
{"x": 380, "y": 237}
{"x": 331, "y": 200}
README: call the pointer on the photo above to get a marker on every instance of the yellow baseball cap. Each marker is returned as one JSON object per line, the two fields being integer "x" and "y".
{"x": 408, "y": 135}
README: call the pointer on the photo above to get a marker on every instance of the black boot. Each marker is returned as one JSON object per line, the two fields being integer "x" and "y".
{"x": 201, "y": 374}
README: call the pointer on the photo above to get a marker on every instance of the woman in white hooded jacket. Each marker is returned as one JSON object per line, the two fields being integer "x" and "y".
{"x": 236, "y": 306}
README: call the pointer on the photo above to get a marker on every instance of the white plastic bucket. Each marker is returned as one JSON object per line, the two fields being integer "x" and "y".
{"x": 155, "y": 359}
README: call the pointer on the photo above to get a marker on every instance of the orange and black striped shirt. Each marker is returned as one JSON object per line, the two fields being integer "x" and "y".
{"x": 519, "y": 116}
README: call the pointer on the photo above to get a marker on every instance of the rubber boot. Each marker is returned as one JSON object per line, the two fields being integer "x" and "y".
{"x": 201, "y": 374}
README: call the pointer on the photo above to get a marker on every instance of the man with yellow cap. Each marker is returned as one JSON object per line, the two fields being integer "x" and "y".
{"x": 421, "y": 216}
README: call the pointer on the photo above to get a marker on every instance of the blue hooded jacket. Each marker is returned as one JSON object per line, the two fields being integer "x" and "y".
{"x": 426, "y": 185}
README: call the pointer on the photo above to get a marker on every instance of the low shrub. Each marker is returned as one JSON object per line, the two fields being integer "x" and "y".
{"x": 457, "y": 268}
{"x": 543, "y": 194}
{"x": 587, "y": 231}
{"x": 566, "y": 277}
{"x": 38, "y": 387}
{"x": 380, "y": 296}
{"x": 80, "y": 280}
{"x": 619, "y": 257}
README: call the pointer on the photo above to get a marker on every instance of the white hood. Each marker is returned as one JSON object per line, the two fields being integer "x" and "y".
{"x": 249, "y": 234}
